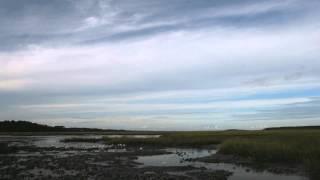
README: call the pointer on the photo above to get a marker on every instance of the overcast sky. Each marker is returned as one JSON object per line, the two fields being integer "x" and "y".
{"x": 161, "y": 64}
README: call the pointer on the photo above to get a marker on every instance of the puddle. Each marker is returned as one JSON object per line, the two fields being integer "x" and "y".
{"x": 50, "y": 141}
{"x": 57, "y": 141}
{"x": 180, "y": 157}
{"x": 132, "y": 136}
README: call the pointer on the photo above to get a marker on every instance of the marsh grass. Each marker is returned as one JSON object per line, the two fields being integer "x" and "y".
{"x": 312, "y": 166}
{"x": 163, "y": 141}
{"x": 296, "y": 146}
{"x": 266, "y": 151}
{"x": 280, "y": 146}
{"x": 277, "y": 146}
{"x": 78, "y": 139}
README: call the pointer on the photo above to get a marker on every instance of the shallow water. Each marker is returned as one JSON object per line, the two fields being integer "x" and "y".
{"x": 51, "y": 141}
{"x": 56, "y": 141}
{"x": 133, "y": 136}
{"x": 179, "y": 157}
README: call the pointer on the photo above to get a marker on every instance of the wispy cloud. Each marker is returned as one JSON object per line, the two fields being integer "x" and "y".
{"x": 145, "y": 64}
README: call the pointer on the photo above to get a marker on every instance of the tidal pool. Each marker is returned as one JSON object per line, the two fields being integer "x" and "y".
{"x": 177, "y": 156}
{"x": 182, "y": 157}
{"x": 57, "y": 141}
{"x": 51, "y": 141}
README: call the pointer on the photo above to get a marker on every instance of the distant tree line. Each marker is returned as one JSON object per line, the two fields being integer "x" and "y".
{"x": 26, "y": 126}
{"x": 293, "y": 128}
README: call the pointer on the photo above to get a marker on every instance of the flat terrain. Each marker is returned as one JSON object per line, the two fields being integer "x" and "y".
{"x": 277, "y": 154}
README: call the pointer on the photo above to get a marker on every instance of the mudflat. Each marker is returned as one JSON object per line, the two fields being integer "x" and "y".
{"x": 90, "y": 157}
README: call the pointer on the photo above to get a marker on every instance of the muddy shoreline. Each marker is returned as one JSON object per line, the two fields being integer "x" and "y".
{"x": 72, "y": 163}
{"x": 50, "y": 158}
{"x": 277, "y": 168}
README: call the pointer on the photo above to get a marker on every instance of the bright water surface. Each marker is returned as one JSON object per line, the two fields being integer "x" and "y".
{"x": 179, "y": 157}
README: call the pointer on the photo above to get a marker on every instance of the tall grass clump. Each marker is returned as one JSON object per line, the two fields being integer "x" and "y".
{"x": 262, "y": 151}
{"x": 313, "y": 168}
{"x": 297, "y": 147}
{"x": 312, "y": 164}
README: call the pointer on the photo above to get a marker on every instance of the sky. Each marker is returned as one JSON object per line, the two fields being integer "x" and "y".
{"x": 161, "y": 64}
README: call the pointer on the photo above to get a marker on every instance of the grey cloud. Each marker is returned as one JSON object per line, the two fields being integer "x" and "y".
{"x": 58, "y": 21}
{"x": 225, "y": 50}
{"x": 269, "y": 81}
{"x": 301, "y": 111}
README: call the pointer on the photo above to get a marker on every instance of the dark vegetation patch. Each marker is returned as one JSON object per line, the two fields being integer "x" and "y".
{"x": 4, "y": 149}
{"x": 215, "y": 175}
{"x": 279, "y": 146}
{"x": 25, "y": 126}
{"x": 313, "y": 167}
{"x": 162, "y": 141}
{"x": 294, "y": 128}
{"x": 78, "y": 139}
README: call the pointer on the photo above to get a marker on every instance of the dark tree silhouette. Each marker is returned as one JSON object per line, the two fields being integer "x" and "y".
{"x": 25, "y": 126}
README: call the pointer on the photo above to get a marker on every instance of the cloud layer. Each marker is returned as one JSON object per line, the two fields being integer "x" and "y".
{"x": 160, "y": 64}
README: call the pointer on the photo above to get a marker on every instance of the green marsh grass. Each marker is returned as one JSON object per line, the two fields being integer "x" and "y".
{"x": 298, "y": 146}
{"x": 275, "y": 146}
